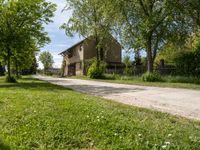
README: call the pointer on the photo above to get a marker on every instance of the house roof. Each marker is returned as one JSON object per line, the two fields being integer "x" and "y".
{"x": 80, "y": 42}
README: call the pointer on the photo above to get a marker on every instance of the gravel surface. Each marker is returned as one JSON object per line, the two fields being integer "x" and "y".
{"x": 182, "y": 102}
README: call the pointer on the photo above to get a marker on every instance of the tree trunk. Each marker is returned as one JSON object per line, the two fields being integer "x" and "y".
{"x": 97, "y": 52}
{"x": 16, "y": 68}
{"x": 149, "y": 55}
{"x": 8, "y": 63}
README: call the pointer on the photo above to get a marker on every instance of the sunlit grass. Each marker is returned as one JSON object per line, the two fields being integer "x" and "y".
{"x": 37, "y": 115}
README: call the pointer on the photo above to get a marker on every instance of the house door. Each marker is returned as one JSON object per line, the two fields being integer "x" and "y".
{"x": 72, "y": 69}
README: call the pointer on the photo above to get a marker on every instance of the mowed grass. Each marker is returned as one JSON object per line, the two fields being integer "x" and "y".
{"x": 37, "y": 115}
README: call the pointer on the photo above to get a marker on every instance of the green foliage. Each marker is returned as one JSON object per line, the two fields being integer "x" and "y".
{"x": 47, "y": 60}
{"x": 151, "y": 77}
{"x": 88, "y": 20}
{"x": 128, "y": 65}
{"x": 169, "y": 52}
{"x": 148, "y": 25}
{"x": 2, "y": 70}
{"x": 96, "y": 70}
{"x": 11, "y": 79}
{"x": 190, "y": 9}
{"x": 22, "y": 30}
{"x": 188, "y": 63}
{"x": 43, "y": 116}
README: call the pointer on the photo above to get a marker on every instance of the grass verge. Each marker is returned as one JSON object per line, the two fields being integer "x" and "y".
{"x": 37, "y": 115}
{"x": 168, "y": 81}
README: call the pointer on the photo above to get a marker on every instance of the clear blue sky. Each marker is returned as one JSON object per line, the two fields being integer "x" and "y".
{"x": 59, "y": 41}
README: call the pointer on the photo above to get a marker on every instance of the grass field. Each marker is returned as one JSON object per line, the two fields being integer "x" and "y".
{"x": 169, "y": 81}
{"x": 37, "y": 115}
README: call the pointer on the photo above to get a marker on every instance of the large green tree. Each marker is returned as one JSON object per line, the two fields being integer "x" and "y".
{"x": 21, "y": 27}
{"x": 88, "y": 21}
{"x": 147, "y": 24}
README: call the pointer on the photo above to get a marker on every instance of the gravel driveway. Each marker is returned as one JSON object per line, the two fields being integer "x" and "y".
{"x": 183, "y": 102}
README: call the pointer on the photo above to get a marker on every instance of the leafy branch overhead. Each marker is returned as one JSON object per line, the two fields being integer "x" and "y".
{"x": 139, "y": 24}
{"x": 21, "y": 29}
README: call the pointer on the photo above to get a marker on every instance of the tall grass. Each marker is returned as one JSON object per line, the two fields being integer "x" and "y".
{"x": 169, "y": 79}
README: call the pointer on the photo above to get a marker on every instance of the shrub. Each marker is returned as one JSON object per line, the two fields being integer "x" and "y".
{"x": 151, "y": 77}
{"x": 95, "y": 72}
{"x": 11, "y": 79}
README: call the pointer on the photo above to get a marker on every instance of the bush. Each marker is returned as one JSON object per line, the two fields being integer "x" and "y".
{"x": 95, "y": 72}
{"x": 11, "y": 79}
{"x": 151, "y": 77}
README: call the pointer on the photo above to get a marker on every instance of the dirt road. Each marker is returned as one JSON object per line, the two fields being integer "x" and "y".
{"x": 183, "y": 102}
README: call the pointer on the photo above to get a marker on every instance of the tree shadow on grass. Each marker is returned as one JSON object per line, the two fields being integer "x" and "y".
{"x": 33, "y": 84}
{"x": 103, "y": 90}
{"x": 4, "y": 146}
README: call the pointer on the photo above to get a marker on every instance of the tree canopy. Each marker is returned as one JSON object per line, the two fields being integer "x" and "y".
{"x": 21, "y": 29}
{"x": 141, "y": 24}
{"x": 47, "y": 60}
{"x": 89, "y": 22}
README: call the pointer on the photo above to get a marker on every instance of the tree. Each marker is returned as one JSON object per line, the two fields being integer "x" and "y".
{"x": 147, "y": 24}
{"x": 21, "y": 29}
{"x": 88, "y": 21}
{"x": 128, "y": 63}
{"x": 47, "y": 60}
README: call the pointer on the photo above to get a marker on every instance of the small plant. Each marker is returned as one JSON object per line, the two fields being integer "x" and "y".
{"x": 96, "y": 70}
{"x": 11, "y": 79}
{"x": 151, "y": 77}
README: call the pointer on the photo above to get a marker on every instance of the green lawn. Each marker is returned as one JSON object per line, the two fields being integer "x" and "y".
{"x": 37, "y": 115}
{"x": 173, "y": 82}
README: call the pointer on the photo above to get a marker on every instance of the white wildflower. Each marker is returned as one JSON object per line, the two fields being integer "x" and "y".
{"x": 164, "y": 146}
{"x": 167, "y": 143}
{"x": 169, "y": 135}
{"x": 139, "y": 135}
